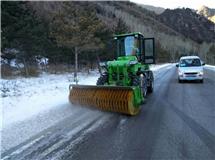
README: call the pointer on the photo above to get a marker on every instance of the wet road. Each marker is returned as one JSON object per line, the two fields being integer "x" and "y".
{"x": 177, "y": 122}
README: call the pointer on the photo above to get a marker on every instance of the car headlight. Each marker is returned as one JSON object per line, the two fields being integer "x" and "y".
{"x": 201, "y": 73}
{"x": 180, "y": 72}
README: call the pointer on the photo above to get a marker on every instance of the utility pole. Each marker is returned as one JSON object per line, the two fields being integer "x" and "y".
{"x": 76, "y": 66}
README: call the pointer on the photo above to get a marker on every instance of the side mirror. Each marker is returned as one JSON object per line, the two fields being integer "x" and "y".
{"x": 203, "y": 63}
{"x": 177, "y": 65}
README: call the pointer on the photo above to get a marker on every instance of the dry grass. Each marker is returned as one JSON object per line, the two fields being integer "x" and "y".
{"x": 58, "y": 69}
{"x": 6, "y": 71}
{"x": 31, "y": 71}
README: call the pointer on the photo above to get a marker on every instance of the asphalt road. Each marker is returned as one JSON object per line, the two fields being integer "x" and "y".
{"x": 177, "y": 122}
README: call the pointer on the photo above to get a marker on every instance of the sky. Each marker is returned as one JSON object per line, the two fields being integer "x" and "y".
{"x": 194, "y": 4}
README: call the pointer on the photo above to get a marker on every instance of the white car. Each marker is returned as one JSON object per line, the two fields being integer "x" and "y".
{"x": 190, "y": 68}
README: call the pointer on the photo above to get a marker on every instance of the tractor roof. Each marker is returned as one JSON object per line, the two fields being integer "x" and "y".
{"x": 128, "y": 34}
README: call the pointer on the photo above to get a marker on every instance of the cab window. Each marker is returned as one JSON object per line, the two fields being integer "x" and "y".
{"x": 131, "y": 46}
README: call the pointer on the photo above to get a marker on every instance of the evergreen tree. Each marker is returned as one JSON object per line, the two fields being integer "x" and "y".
{"x": 22, "y": 31}
{"x": 121, "y": 27}
{"x": 75, "y": 28}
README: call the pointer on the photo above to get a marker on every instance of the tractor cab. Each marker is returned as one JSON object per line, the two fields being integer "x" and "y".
{"x": 134, "y": 44}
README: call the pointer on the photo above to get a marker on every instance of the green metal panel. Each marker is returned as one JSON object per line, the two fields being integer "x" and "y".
{"x": 118, "y": 73}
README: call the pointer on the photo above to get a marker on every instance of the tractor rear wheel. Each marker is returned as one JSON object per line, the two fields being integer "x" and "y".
{"x": 151, "y": 86}
{"x": 151, "y": 82}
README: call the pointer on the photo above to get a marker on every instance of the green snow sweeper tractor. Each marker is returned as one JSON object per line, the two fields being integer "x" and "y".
{"x": 125, "y": 81}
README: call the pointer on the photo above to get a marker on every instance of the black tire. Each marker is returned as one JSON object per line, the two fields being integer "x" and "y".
{"x": 201, "y": 81}
{"x": 136, "y": 82}
{"x": 102, "y": 80}
{"x": 150, "y": 88}
{"x": 179, "y": 81}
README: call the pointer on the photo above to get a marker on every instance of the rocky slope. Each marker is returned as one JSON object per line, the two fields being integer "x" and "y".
{"x": 189, "y": 23}
{"x": 207, "y": 12}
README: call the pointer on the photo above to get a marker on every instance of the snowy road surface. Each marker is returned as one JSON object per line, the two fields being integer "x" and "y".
{"x": 171, "y": 118}
{"x": 31, "y": 105}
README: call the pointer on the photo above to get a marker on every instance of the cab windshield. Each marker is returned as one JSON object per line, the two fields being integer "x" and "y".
{"x": 128, "y": 46}
{"x": 190, "y": 62}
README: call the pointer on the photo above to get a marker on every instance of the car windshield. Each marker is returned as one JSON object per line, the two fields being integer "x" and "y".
{"x": 190, "y": 62}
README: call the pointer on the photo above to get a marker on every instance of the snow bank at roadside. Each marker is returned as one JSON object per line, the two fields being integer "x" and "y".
{"x": 155, "y": 67}
{"x": 23, "y": 98}
{"x": 210, "y": 67}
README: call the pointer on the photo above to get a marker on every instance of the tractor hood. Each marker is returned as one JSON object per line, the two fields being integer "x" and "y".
{"x": 120, "y": 69}
{"x": 123, "y": 61}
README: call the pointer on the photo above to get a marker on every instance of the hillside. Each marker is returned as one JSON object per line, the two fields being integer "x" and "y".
{"x": 175, "y": 38}
{"x": 177, "y": 32}
{"x": 189, "y": 23}
{"x": 169, "y": 37}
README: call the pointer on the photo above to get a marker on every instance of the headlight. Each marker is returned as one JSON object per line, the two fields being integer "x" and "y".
{"x": 201, "y": 73}
{"x": 132, "y": 62}
{"x": 180, "y": 72}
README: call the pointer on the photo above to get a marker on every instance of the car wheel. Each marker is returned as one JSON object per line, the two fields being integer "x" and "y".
{"x": 201, "y": 81}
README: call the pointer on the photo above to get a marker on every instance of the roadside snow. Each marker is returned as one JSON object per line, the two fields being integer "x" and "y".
{"x": 23, "y": 98}
{"x": 210, "y": 67}
{"x": 1, "y": 114}
{"x": 155, "y": 67}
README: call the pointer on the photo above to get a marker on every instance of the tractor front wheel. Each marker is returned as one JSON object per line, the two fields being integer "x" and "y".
{"x": 151, "y": 86}
{"x": 142, "y": 83}
{"x": 102, "y": 80}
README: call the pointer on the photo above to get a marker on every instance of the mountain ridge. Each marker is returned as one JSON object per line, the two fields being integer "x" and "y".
{"x": 189, "y": 23}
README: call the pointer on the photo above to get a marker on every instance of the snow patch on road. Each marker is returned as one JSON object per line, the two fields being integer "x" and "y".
{"x": 156, "y": 67}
